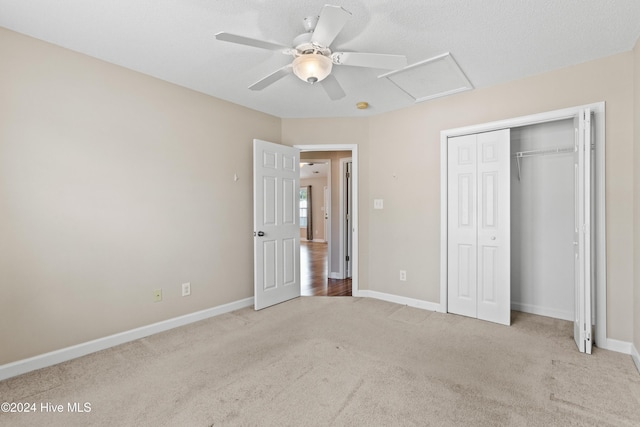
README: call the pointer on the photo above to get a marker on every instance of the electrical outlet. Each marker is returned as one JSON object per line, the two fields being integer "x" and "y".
{"x": 186, "y": 289}
{"x": 403, "y": 275}
{"x": 157, "y": 295}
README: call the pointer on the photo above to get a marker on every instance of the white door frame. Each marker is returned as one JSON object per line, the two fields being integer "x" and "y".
{"x": 354, "y": 182}
{"x": 600, "y": 221}
{"x": 343, "y": 209}
{"x": 326, "y": 194}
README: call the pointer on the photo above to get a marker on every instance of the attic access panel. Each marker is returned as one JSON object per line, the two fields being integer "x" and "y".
{"x": 432, "y": 78}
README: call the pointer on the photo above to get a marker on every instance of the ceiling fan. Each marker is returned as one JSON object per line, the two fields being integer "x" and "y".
{"x": 313, "y": 59}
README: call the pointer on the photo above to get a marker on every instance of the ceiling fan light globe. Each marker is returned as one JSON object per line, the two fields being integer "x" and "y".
{"x": 312, "y": 68}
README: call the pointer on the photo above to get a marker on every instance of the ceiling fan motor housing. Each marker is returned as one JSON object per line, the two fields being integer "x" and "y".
{"x": 310, "y": 23}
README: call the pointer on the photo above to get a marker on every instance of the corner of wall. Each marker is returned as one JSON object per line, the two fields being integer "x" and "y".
{"x": 636, "y": 203}
{"x": 636, "y": 357}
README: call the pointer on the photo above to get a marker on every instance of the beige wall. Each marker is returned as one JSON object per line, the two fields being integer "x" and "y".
{"x": 636, "y": 216}
{"x": 402, "y": 154}
{"x": 113, "y": 184}
{"x": 317, "y": 206}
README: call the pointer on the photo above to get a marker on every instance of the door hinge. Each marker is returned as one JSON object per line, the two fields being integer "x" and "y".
{"x": 587, "y": 335}
{"x": 348, "y": 175}
{"x": 347, "y": 257}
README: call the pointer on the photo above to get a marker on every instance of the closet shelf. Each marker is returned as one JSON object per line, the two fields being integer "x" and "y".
{"x": 543, "y": 152}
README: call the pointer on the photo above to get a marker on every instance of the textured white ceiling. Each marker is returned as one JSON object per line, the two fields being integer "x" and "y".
{"x": 311, "y": 169}
{"x": 493, "y": 41}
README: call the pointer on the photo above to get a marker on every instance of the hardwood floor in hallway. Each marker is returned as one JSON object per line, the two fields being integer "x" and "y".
{"x": 313, "y": 272}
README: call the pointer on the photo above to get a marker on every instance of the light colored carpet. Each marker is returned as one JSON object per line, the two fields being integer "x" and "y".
{"x": 340, "y": 361}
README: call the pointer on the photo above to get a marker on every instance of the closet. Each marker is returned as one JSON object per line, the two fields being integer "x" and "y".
{"x": 518, "y": 222}
{"x": 542, "y": 219}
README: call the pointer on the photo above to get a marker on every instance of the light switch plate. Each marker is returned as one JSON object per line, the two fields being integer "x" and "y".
{"x": 186, "y": 289}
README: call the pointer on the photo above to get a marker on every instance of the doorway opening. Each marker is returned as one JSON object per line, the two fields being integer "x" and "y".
{"x": 328, "y": 249}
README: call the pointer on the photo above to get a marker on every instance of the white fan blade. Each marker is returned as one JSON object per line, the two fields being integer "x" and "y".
{"x": 370, "y": 60}
{"x": 248, "y": 41}
{"x": 330, "y": 23}
{"x": 271, "y": 78}
{"x": 333, "y": 88}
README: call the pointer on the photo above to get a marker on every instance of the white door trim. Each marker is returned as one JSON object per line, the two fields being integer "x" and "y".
{"x": 343, "y": 249}
{"x": 354, "y": 155}
{"x": 326, "y": 194}
{"x": 600, "y": 220}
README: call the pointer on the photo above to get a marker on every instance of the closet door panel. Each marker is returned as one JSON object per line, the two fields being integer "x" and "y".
{"x": 489, "y": 202}
{"x": 582, "y": 244}
{"x": 466, "y": 289}
{"x": 466, "y": 211}
{"x": 489, "y": 262}
{"x": 462, "y": 226}
{"x": 494, "y": 227}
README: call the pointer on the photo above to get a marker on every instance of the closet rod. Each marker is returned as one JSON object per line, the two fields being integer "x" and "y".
{"x": 543, "y": 152}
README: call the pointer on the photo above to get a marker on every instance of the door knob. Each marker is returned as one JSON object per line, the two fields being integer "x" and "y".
{"x": 261, "y": 233}
{"x": 493, "y": 237}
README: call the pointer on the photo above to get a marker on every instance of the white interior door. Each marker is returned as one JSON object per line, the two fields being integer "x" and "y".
{"x": 494, "y": 227}
{"x": 479, "y": 246}
{"x": 276, "y": 222}
{"x": 582, "y": 233}
{"x": 462, "y": 229}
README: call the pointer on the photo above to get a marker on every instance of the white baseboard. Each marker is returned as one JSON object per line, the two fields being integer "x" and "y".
{"x": 615, "y": 345}
{"x": 58, "y": 356}
{"x": 411, "y": 302}
{"x": 635, "y": 356}
{"x": 542, "y": 311}
{"x": 335, "y": 275}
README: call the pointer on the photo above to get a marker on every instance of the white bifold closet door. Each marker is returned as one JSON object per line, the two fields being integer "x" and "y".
{"x": 479, "y": 246}
{"x": 582, "y": 232}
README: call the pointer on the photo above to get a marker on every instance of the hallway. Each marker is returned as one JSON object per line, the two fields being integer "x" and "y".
{"x": 313, "y": 272}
